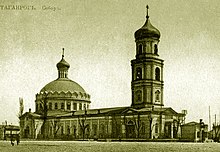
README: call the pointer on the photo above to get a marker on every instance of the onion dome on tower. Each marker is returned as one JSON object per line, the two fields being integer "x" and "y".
{"x": 147, "y": 30}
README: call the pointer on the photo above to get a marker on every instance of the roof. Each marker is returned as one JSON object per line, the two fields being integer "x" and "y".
{"x": 117, "y": 110}
{"x": 167, "y": 110}
{"x": 146, "y": 31}
{"x": 63, "y": 64}
{"x": 32, "y": 114}
{"x": 62, "y": 85}
{"x": 193, "y": 123}
{"x": 57, "y": 113}
{"x": 12, "y": 127}
{"x": 107, "y": 111}
{"x": 96, "y": 111}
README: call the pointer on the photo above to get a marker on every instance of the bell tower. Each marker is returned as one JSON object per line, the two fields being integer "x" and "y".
{"x": 147, "y": 68}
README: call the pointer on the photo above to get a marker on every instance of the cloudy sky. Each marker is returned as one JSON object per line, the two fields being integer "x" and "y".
{"x": 98, "y": 37}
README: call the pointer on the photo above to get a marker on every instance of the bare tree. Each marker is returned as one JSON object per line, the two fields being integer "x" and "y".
{"x": 216, "y": 132}
{"x": 44, "y": 110}
{"x": 56, "y": 126}
{"x": 137, "y": 123}
{"x": 21, "y": 109}
{"x": 82, "y": 123}
{"x": 35, "y": 126}
{"x": 116, "y": 126}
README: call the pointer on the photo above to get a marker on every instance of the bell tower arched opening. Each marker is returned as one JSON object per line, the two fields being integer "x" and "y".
{"x": 157, "y": 74}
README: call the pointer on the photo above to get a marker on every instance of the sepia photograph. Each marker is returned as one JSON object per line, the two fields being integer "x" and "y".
{"x": 110, "y": 75}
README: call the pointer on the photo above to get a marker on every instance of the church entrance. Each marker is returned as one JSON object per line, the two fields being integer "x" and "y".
{"x": 167, "y": 130}
{"x": 26, "y": 132}
{"x": 130, "y": 130}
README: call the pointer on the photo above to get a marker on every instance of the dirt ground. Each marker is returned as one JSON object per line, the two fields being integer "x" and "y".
{"x": 94, "y": 146}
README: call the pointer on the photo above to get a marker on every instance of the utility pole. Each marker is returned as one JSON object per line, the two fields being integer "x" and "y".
{"x": 215, "y": 119}
{"x": 210, "y": 127}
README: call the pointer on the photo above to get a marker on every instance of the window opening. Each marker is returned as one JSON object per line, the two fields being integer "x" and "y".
{"x": 138, "y": 73}
{"x": 157, "y": 74}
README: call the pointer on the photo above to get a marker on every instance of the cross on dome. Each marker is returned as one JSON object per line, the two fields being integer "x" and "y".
{"x": 147, "y": 11}
{"x": 63, "y": 53}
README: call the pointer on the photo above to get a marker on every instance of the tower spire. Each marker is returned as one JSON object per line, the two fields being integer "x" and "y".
{"x": 63, "y": 53}
{"x": 147, "y": 11}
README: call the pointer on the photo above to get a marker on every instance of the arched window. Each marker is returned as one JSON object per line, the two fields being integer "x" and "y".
{"x": 138, "y": 73}
{"x": 130, "y": 129}
{"x": 155, "y": 49}
{"x": 138, "y": 96}
{"x": 157, "y": 96}
{"x": 80, "y": 106}
{"x": 157, "y": 74}
{"x": 140, "y": 49}
{"x": 55, "y": 106}
{"x": 130, "y": 122}
{"x": 62, "y": 105}
{"x": 50, "y": 106}
{"x": 74, "y": 106}
{"x": 68, "y": 106}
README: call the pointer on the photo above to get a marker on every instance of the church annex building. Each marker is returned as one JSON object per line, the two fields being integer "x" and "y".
{"x": 62, "y": 107}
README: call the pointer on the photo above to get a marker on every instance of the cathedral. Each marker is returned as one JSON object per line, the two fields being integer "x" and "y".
{"x": 62, "y": 107}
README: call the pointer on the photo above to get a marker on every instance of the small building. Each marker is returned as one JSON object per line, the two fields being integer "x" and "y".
{"x": 194, "y": 131}
{"x": 8, "y": 131}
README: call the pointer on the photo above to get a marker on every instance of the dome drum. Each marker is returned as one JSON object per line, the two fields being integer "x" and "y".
{"x": 64, "y": 95}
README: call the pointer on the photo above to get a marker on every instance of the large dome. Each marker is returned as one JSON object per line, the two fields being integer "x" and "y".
{"x": 62, "y": 85}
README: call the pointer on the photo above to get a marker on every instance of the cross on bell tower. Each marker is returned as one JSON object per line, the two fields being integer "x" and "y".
{"x": 147, "y": 16}
{"x": 147, "y": 67}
